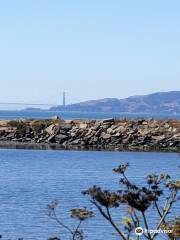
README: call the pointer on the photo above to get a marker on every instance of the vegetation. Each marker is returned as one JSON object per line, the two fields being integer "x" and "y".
{"x": 39, "y": 125}
{"x": 158, "y": 195}
{"x": 20, "y": 126}
{"x": 16, "y": 124}
{"x": 23, "y": 126}
{"x": 80, "y": 214}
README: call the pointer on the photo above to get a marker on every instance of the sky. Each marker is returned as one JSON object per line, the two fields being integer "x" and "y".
{"x": 91, "y": 49}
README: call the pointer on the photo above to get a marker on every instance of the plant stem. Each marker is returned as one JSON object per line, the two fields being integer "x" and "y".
{"x": 146, "y": 225}
{"x": 114, "y": 225}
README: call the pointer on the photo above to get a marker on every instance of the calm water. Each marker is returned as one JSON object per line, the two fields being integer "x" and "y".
{"x": 80, "y": 115}
{"x": 30, "y": 179}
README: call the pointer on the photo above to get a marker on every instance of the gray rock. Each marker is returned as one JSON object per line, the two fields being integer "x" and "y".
{"x": 106, "y": 126}
{"x": 61, "y": 138}
{"x": 75, "y": 142}
{"x": 108, "y": 120}
{"x": 106, "y": 135}
{"x": 95, "y": 139}
{"x": 158, "y": 138}
{"x": 51, "y": 138}
{"x": 66, "y": 127}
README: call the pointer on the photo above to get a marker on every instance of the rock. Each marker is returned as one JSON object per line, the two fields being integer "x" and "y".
{"x": 83, "y": 143}
{"x": 10, "y": 136}
{"x": 176, "y": 136}
{"x": 175, "y": 143}
{"x": 51, "y": 139}
{"x": 144, "y": 132}
{"x": 95, "y": 139}
{"x": 97, "y": 126}
{"x": 117, "y": 134}
{"x": 106, "y": 135}
{"x": 75, "y": 142}
{"x": 98, "y": 133}
{"x": 125, "y": 141}
{"x": 66, "y": 127}
{"x": 120, "y": 129}
{"x": 166, "y": 125}
{"x": 136, "y": 134}
{"x": 106, "y": 125}
{"x": 61, "y": 138}
{"x": 158, "y": 138}
{"x": 83, "y": 125}
{"x": 109, "y": 130}
{"x": 174, "y": 129}
{"x": 55, "y": 117}
{"x": 52, "y": 129}
{"x": 108, "y": 120}
{"x": 68, "y": 122}
{"x": 131, "y": 132}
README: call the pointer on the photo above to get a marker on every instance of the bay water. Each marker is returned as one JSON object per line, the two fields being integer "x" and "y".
{"x": 22, "y": 114}
{"x": 31, "y": 179}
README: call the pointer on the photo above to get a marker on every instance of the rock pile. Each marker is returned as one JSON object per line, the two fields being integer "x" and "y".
{"x": 104, "y": 134}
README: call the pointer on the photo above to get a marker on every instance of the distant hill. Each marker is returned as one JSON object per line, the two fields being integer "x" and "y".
{"x": 161, "y": 102}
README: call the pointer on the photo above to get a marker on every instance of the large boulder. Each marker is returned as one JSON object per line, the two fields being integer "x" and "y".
{"x": 61, "y": 138}
{"x": 52, "y": 129}
{"x": 106, "y": 135}
{"x": 83, "y": 125}
{"x": 121, "y": 129}
{"x": 108, "y": 120}
{"x": 51, "y": 138}
{"x": 66, "y": 127}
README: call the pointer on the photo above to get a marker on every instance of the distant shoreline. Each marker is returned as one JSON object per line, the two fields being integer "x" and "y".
{"x": 74, "y": 115}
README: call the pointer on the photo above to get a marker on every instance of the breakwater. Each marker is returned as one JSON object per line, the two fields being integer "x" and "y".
{"x": 109, "y": 134}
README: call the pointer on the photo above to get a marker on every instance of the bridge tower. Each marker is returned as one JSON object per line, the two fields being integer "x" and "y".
{"x": 64, "y": 99}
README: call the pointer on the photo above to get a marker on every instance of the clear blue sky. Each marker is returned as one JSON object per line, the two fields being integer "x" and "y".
{"x": 91, "y": 49}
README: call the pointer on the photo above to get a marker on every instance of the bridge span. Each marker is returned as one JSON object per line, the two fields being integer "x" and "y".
{"x": 28, "y": 104}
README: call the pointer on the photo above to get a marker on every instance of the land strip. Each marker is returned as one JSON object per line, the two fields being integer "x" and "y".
{"x": 107, "y": 134}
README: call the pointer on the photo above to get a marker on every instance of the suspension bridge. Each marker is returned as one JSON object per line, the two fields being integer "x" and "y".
{"x": 41, "y": 103}
{"x": 28, "y": 104}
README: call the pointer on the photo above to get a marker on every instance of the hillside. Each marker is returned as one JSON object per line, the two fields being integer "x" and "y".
{"x": 161, "y": 102}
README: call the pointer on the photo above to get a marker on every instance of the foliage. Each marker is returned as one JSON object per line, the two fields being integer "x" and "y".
{"x": 174, "y": 227}
{"x": 79, "y": 214}
{"x": 139, "y": 200}
{"x": 39, "y": 125}
{"x": 20, "y": 126}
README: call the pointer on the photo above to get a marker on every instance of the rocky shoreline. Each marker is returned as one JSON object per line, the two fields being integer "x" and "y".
{"x": 107, "y": 134}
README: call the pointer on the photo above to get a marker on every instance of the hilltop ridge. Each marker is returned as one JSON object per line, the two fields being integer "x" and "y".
{"x": 160, "y": 102}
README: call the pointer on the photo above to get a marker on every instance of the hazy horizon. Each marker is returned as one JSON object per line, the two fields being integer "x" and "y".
{"x": 91, "y": 50}
{"x": 25, "y": 105}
